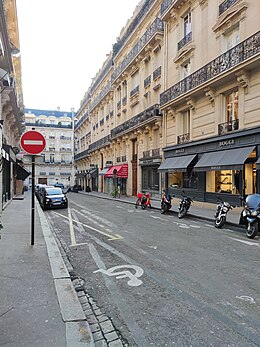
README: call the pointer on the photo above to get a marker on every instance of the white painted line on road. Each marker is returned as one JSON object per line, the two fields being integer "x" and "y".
{"x": 110, "y": 237}
{"x": 72, "y": 234}
{"x": 155, "y": 217}
{"x": 209, "y": 225}
{"x": 250, "y": 243}
{"x": 195, "y": 226}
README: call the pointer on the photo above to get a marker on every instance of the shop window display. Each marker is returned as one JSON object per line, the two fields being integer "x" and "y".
{"x": 183, "y": 179}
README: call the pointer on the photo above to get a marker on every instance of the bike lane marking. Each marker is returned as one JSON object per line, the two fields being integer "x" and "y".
{"x": 110, "y": 237}
{"x": 72, "y": 233}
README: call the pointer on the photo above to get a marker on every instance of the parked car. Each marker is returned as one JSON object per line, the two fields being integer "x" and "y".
{"x": 52, "y": 197}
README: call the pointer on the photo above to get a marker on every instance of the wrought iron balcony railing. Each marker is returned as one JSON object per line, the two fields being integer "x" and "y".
{"x": 215, "y": 68}
{"x": 100, "y": 96}
{"x": 100, "y": 143}
{"x": 157, "y": 73}
{"x": 224, "y": 128}
{"x": 69, "y": 126}
{"x": 156, "y": 152}
{"x": 147, "y": 81}
{"x": 146, "y": 154}
{"x": 138, "y": 120}
{"x": 184, "y": 138}
{"x": 157, "y": 26}
{"x": 185, "y": 40}
{"x": 81, "y": 120}
{"x": 138, "y": 18}
{"x": 124, "y": 100}
{"x": 165, "y": 5}
{"x": 134, "y": 91}
{"x": 81, "y": 155}
{"x": 225, "y": 5}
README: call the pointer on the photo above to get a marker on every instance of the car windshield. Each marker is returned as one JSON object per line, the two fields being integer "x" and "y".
{"x": 54, "y": 191}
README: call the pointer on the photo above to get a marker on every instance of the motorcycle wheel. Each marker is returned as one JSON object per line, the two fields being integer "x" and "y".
{"x": 251, "y": 230}
{"x": 219, "y": 222}
{"x": 143, "y": 206}
{"x": 182, "y": 213}
{"x": 163, "y": 209}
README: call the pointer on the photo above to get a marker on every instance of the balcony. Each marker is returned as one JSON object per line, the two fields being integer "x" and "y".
{"x": 224, "y": 128}
{"x": 147, "y": 81}
{"x": 225, "y": 6}
{"x": 134, "y": 92}
{"x": 136, "y": 21}
{"x": 146, "y": 154}
{"x": 124, "y": 100}
{"x": 156, "y": 152}
{"x": 156, "y": 27}
{"x": 184, "y": 138}
{"x": 51, "y": 173}
{"x": 185, "y": 40}
{"x": 214, "y": 69}
{"x": 139, "y": 120}
{"x": 99, "y": 144}
{"x": 157, "y": 73}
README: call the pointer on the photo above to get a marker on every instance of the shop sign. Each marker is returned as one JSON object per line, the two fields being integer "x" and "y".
{"x": 215, "y": 168}
{"x": 226, "y": 143}
{"x": 179, "y": 151}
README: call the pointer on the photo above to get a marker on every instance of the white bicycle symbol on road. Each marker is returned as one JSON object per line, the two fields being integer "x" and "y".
{"x": 133, "y": 278}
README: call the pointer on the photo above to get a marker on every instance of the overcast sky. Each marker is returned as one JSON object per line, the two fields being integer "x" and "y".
{"x": 63, "y": 44}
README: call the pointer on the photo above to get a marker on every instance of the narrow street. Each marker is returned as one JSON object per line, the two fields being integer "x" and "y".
{"x": 176, "y": 282}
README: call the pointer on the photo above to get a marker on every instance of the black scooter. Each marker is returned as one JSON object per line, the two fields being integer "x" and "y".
{"x": 250, "y": 216}
{"x": 166, "y": 202}
{"x": 184, "y": 205}
{"x": 221, "y": 213}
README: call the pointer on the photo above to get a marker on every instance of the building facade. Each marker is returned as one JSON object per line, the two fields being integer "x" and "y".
{"x": 55, "y": 164}
{"x": 176, "y": 104}
{"x": 11, "y": 104}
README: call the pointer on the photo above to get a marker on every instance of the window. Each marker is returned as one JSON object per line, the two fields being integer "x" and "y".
{"x": 52, "y": 158}
{"x": 185, "y": 69}
{"x": 150, "y": 178}
{"x": 231, "y": 38}
{"x": 179, "y": 180}
{"x": 231, "y": 107}
{"x": 187, "y": 24}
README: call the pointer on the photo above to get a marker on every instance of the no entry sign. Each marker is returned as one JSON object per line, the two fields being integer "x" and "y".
{"x": 33, "y": 142}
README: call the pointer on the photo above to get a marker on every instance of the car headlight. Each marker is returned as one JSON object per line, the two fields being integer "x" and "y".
{"x": 47, "y": 200}
{"x": 64, "y": 199}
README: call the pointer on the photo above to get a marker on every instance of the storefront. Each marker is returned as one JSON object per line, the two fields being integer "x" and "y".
{"x": 116, "y": 176}
{"x": 150, "y": 175}
{"x": 93, "y": 179}
{"x": 227, "y": 166}
{"x": 105, "y": 184}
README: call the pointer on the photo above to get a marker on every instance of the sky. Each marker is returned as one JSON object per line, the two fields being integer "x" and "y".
{"x": 63, "y": 44}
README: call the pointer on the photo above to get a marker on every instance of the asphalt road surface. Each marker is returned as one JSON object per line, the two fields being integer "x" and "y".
{"x": 176, "y": 282}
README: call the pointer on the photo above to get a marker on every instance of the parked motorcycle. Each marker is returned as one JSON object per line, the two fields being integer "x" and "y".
{"x": 250, "y": 216}
{"x": 166, "y": 202}
{"x": 144, "y": 200}
{"x": 184, "y": 205}
{"x": 221, "y": 214}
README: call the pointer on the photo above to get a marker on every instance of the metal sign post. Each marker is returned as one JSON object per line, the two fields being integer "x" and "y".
{"x": 33, "y": 143}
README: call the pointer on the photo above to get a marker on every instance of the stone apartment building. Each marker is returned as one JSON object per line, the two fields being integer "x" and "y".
{"x": 176, "y": 103}
{"x": 11, "y": 104}
{"x": 55, "y": 164}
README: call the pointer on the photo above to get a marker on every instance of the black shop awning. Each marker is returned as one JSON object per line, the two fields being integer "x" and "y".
{"x": 258, "y": 164}
{"x": 231, "y": 159}
{"x": 177, "y": 163}
{"x": 21, "y": 172}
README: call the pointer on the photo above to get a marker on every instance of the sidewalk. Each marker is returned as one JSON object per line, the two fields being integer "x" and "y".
{"x": 202, "y": 210}
{"x": 39, "y": 305}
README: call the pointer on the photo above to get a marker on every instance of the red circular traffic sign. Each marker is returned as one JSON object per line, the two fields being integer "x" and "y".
{"x": 33, "y": 142}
